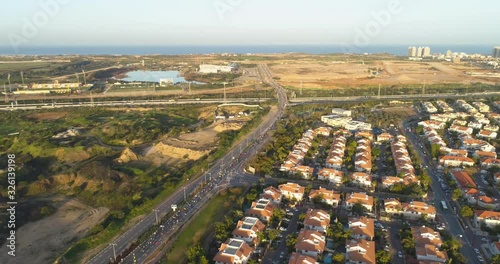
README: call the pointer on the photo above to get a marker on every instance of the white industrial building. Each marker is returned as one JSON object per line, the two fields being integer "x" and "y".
{"x": 209, "y": 68}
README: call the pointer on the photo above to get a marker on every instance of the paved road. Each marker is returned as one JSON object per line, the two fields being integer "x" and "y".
{"x": 390, "y": 97}
{"x": 13, "y": 106}
{"x": 222, "y": 168}
{"x": 455, "y": 228}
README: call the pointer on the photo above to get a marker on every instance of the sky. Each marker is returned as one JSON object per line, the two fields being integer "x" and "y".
{"x": 247, "y": 22}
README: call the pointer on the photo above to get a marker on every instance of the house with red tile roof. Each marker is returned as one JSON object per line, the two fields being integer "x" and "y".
{"x": 316, "y": 219}
{"x": 455, "y": 161}
{"x": 388, "y": 181}
{"x": 262, "y": 209}
{"x": 360, "y": 251}
{"x": 272, "y": 194}
{"x": 331, "y": 175}
{"x": 233, "y": 251}
{"x": 292, "y": 190}
{"x": 323, "y": 131}
{"x": 247, "y": 229}
{"x": 363, "y": 198}
{"x": 415, "y": 210}
{"x": 487, "y": 134}
{"x": 427, "y": 244}
{"x": 490, "y": 163}
{"x": 463, "y": 179}
{"x": 461, "y": 129}
{"x": 296, "y": 258}
{"x": 328, "y": 196}
{"x": 392, "y": 206}
{"x": 361, "y": 179}
{"x": 485, "y": 154}
{"x": 384, "y": 137}
{"x": 310, "y": 243}
{"x": 362, "y": 227}
{"x": 488, "y": 218}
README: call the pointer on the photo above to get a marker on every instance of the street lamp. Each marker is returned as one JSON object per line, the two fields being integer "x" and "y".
{"x": 114, "y": 252}
{"x": 156, "y": 214}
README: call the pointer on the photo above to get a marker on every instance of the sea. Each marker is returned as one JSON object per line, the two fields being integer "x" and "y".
{"x": 400, "y": 50}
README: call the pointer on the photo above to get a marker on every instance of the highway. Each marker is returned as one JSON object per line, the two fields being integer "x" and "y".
{"x": 453, "y": 225}
{"x": 390, "y": 97}
{"x": 226, "y": 171}
{"x": 13, "y": 106}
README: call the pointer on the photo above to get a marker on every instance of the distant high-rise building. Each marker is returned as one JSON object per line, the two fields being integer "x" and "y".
{"x": 412, "y": 51}
{"x": 496, "y": 52}
{"x": 426, "y": 52}
{"x": 420, "y": 52}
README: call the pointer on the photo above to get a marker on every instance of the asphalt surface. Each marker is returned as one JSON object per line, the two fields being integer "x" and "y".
{"x": 226, "y": 171}
{"x": 52, "y": 105}
{"x": 465, "y": 235}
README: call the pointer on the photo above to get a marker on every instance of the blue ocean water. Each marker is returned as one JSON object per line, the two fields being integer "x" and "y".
{"x": 240, "y": 49}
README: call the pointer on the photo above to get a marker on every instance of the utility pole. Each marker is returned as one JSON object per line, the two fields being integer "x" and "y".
{"x": 224, "y": 83}
{"x": 423, "y": 88}
{"x": 301, "y": 87}
{"x": 22, "y": 78}
{"x": 379, "y": 91}
{"x": 184, "y": 194}
{"x": 114, "y": 252}
{"x": 8, "y": 78}
{"x": 84, "y": 78}
{"x": 156, "y": 214}
{"x": 91, "y": 100}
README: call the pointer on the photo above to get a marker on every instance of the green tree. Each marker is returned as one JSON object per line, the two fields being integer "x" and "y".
{"x": 452, "y": 244}
{"x": 302, "y": 216}
{"x": 291, "y": 240}
{"x": 383, "y": 257}
{"x": 338, "y": 258}
{"x": 495, "y": 259}
{"x": 273, "y": 234}
{"x": 358, "y": 208}
{"x": 435, "y": 149}
{"x": 456, "y": 194}
{"x": 466, "y": 212}
{"x": 318, "y": 199}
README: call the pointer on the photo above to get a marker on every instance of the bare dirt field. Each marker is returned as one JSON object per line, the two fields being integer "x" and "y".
{"x": 45, "y": 240}
{"x": 311, "y": 74}
{"x": 189, "y": 146}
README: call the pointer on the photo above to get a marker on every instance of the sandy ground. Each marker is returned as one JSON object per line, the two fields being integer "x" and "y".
{"x": 315, "y": 74}
{"x": 45, "y": 240}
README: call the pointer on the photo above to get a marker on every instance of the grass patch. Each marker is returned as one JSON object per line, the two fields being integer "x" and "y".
{"x": 201, "y": 226}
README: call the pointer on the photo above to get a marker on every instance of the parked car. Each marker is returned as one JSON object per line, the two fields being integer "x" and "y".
{"x": 400, "y": 254}
{"x": 477, "y": 251}
{"x": 480, "y": 258}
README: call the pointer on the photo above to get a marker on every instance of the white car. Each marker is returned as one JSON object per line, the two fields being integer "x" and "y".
{"x": 400, "y": 254}
{"x": 476, "y": 250}
{"x": 480, "y": 258}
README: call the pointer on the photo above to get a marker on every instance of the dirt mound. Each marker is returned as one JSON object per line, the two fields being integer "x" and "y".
{"x": 174, "y": 152}
{"x": 71, "y": 155}
{"x": 127, "y": 156}
{"x": 228, "y": 126}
